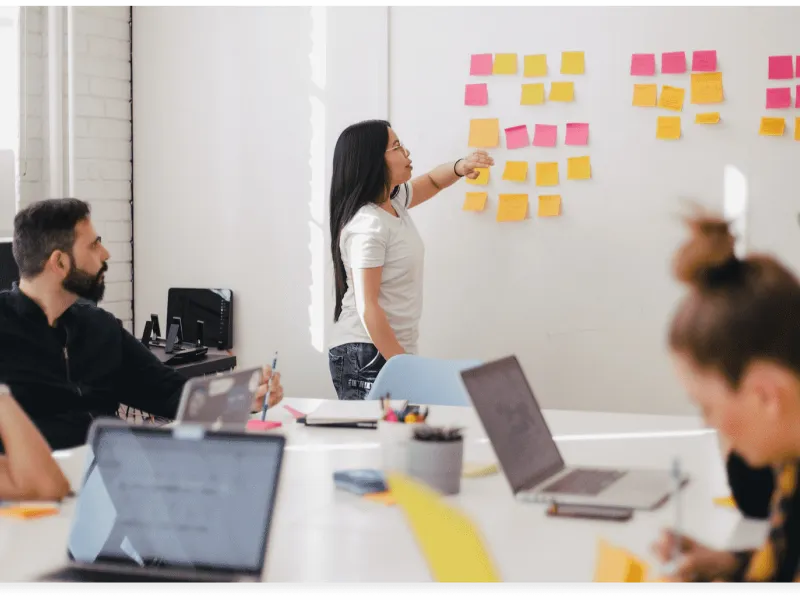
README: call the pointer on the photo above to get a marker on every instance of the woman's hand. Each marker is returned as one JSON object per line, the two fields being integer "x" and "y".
{"x": 695, "y": 561}
{"x": 468, "y": 166}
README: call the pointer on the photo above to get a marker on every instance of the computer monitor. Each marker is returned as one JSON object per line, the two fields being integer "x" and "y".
{"x": 9, "y": 273}
{"x": 212, "y": 306}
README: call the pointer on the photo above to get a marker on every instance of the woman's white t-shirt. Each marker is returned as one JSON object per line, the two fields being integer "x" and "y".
{"x": 376, "y": 238}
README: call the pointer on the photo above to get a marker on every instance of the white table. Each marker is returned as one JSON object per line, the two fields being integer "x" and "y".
{"x": 318, "y": 530}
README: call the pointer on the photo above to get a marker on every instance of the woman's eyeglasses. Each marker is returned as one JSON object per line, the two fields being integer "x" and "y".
{"x": 399, "y": 146}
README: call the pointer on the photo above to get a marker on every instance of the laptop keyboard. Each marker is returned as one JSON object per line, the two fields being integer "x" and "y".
{"x": 584, "y": 482}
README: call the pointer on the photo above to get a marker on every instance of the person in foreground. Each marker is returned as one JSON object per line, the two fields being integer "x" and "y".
{"x": 67, "y": 361}
{"x": 735, "y": 341}
{"x": 377, "y": 252}
{"x": 27, "y": 470}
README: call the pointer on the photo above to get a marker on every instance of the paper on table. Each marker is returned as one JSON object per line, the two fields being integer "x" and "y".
{"x": 616, "y": 565}
{"x": 772, "y": 126}
{"x": 643, "y": 64}
{"x": 577, "y": 134}
{"x": 668, "y": 128}
{"x": 707, "y": 88}
{"x": 512, "y": 207}
{"x": 476, "y": 94}
{"x": 704, "y": 60}
{"x": 545, "y": 135}
{"x": 532, "y": 94}
{"x": 449, "y": 541}
{"x": 579, "y": 167}
{"x": 707, "y": 118}
{"x": 673, "y": 63}
{"x": 517, "y": 137}
{"x": 475, "y": 201}
{"x": 779, "y": 97}
{"x": 259, "y": 425}
{"x": 516, "y": 171}
{"x": 562, "y": 91}
{"x": 33, "y": 511}
{"x": 480, "y": 64}
{"x": 505, "y": 64}
{"x": 781, "y": 67}
{"x": 645, "y": 94}
{"x": 671, "y": 98}
{"x": 572, "y": 63}
{"x": 535, "y": 65}
{"x": 550, "y": 206}
{"x": 482, "y": 178}
{"x": 546, "y": 174}
{"x": 484, "y": 133}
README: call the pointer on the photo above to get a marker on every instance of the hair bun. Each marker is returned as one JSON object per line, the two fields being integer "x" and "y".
{"x": 708, "y": 257}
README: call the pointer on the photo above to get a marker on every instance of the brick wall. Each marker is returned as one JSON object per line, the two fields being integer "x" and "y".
{"x": 102, "y": 132}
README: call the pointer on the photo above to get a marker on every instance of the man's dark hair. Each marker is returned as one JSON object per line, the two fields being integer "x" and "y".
{"x": 44, "y": 227}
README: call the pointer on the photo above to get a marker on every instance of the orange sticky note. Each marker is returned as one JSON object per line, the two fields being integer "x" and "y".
{"x": 726, "y": 501}
{"x": 512, "y": 207}
{"x": 484, "y": 133}
{"x": 707, "y": 88}
{"x": 482, "y": 178}
{"x": 549, "y": 206}
{"x": 384, "y": 498}
{"x": 579, "y": 168}
{"x": 562, "y": 91}
{"x": 707, "y": 118}
{"x": 505, "y": 64}
{"x": 645, "y": 94}
{"x": 797, "y": 129}
{"x": 516, "y": 171}
{"x": 475, "y": 201}
{"x": 546, "y": 174}
{"x": 532, "y": 94}
{"x": 572, "y": 63}
{"x": 616, "y": 565}
{"x": 671, "y": 97}
{"x": 668, "y": 128}
{"x": 535, "y": 65}
{"x": 772, "y": 126}
{"x": 28, "y": 512}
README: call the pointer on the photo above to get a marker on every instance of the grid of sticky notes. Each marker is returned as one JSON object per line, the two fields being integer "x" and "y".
{"x": 485, "y": 131}
{"x": 781, "y": 68}
{"x": 705, "y": 88}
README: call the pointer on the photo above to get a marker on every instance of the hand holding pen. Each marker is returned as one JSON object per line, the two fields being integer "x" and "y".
{"x": 270, "y": 392}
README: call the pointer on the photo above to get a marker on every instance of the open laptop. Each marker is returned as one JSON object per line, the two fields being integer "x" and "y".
{"x": 180, "y": 504}
{"x": 224, "y": 400}
{"x": 530, "y": 458}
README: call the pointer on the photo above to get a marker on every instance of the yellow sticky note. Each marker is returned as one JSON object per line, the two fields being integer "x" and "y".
{"x": 772, "y": 126}
{"x": 505, "y": 64}
{"x": 482, "y": 178}
{"x": 532, "y": 93}
{"x": 668, "y": 128}
{"x": 512, "y": 207}
{"x": 645, "y": 94}
{"x": 479, "y": 469}
{"x": 579, "y": 168}
{"x": 475, "y": 201}
{"x": 616, "y": 565}
{"x": 535, "y": 65}
{"x": 707, "y": 88}
{"x": 797, "y": 129}
{"x": 28, "y": 512}
{"x": 572, "y": 63}
{"x": 671, "y": 97}
{"x": 516, "y": 171}
{"x": 549, "y": 206}
{"x": 484, "y": 133}
{"x": 562, "y": 91}
{"x": 726, "y": 501}
{"x": 547, "y": 174}
{"x": 707, "y": 118}
{"x": 449, "y": 541}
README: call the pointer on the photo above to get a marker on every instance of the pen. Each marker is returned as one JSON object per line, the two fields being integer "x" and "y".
{"x": 266, "y": 396}
{"x": 676, "y": 545}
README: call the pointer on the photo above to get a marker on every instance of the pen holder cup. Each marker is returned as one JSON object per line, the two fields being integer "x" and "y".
{"x": 394, "y": 445}
{"x": 437, "y": 463}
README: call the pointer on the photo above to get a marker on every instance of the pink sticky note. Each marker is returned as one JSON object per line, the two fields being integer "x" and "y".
{"x": 673, "y": 62}
{"x": 577, "y": 134}
{"x": 517, "y": 137}
{"x": 545, "y": 135}
{"x": 259, "y": 425}
{"x": 294, "y": 412}
{"x": 797, "y": 96}
{"x": 779, "y": 97}
{"x": 481, "y": 64}
{"x": 643, "y": 64}
{"x": 781, "y": 67}
{"x": 704, "y": 61}
{"x": 476, "y": 94}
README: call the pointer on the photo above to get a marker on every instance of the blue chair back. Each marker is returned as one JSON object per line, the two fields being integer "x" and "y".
{"x": 422, "y": 380}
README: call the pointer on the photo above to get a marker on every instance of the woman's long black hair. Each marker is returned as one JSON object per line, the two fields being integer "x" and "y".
{"x": 360, "y": 176}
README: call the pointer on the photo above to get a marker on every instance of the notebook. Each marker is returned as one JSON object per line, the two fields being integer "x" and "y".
{"x": 350, "y": 413}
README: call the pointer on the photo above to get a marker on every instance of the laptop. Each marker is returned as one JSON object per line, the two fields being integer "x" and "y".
{"x": 224, "y": 400}
{"x": 530, "y": 458}
{"x": 167, "y": 505}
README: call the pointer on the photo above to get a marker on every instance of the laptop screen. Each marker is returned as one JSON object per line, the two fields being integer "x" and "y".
{"x": 155, "y": 498}
{"x": 514, "y": 422}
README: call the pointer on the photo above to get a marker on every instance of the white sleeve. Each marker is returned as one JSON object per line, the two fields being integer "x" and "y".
{"x": 364, "y": 242}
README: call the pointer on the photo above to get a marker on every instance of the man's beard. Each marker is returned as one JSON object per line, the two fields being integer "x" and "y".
{"x": 87, "y": 286}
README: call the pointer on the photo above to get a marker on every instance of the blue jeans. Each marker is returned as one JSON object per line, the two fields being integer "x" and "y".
{"x": 354, "y": 368}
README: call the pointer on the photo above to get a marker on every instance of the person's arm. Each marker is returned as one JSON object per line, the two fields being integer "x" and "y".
{"x": 27, "y": 470}
{"x": 428, "y": 185}
{"x": 367, "y": 287}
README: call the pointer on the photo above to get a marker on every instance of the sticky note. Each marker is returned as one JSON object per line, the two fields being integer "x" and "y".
{"x": 481, "y": 179}
{"x": 671, "y": 97}
{"x": 512, "y": 207}
{"x": 772, "y": 126}
{"x": 579, "y": 168}
{"x": 547, "y": 174}
{"x": 385, "y": 498}
{"x": 475, "y": 201}
{"x": 516, "y": 171}
{"x": 726, "y": 501}
{"x": 532, "y": 93}
{"x": 707, "y": 118}
{"x": 549, "y": 206}
{"x": 797, "y": 96}
{"x": 577, "y": 134}
{"x": 668, "y": 128}
{"x": 797, "y": 129}
{"x": 545, "y": 135}
{"x": 294, "y": 412}
{"x": 535, "y": 65}
{"x": 517, "y": 137}
{"x": 562, "y": 91}
{"x": 480, "y": 64}
{"x": 645, "y": 94}
{"x": 32, "y": 511}
{"x": 479, "y": 469}
{"x": 259, "y": 425}
{"x": 449, "y": 541}
{"x": 673, "y": 63}
{"x": 704, "y": 61}
{"x": 707, "y": 88}
{"x": 484, "y": 133}
{"x": 505, "y": 64}
{"x": 476, "y": 94}
{"x": 616, "y": 565}
{"x": 779, "y": 97}
{"x": 643, "y": 64}
{"x": 781, "y": 67}
{"x": 572, "y": 63}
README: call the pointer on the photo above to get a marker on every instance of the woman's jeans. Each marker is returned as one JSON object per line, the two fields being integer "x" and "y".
{"x": 354, "y": 368}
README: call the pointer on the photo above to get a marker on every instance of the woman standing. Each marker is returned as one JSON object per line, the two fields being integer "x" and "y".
{"x": 377, "y": 252}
